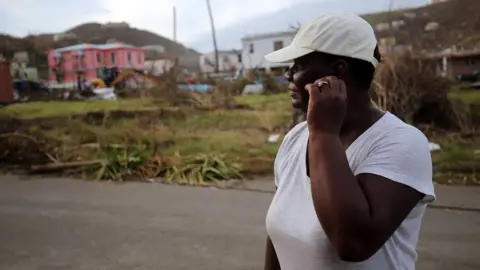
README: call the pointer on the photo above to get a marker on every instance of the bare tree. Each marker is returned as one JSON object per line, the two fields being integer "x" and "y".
{"x": 383, "y": 99}
{"x": 214, "y": 37}
{"x": 295, "y": 26}
{"x": 390, "y": 23}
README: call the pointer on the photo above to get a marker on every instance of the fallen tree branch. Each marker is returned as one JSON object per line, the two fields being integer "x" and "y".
{"x": 55, "y": 167}
{"x": 21, "y": 135}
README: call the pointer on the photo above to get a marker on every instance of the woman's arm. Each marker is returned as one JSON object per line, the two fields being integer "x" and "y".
{"x": 271, "y": 259}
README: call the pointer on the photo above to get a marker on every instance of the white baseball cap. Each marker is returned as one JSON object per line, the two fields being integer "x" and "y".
{"x": 342, "y": 34}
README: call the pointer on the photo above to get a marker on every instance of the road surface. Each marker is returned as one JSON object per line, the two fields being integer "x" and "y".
{"x": 53, "y": 224}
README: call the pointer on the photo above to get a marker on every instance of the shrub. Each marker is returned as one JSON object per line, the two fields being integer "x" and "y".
{"x": 270, "y": 85}
{"x": 411, "y": 88}
{"x": 201, "y": 169}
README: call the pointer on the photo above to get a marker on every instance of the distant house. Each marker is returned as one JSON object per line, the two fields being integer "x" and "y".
{"x": 154, "y": 48}
{"x": 21, "y": 58}
{"x": 88, "y": 60}
{"x": 22, "y": 72}
{"x": 115, "y": 25}
{"x": 19, "y": 67}
{"x": 155, "y": 52}
{"x": 158, "y": 67}
{"x": 64, "y": 36}
{"x": 228, "y": 61}
{"x": 254, "y": 48}
{"x": 389, "y": 45}
{"x": 453, "y": 64}
{"x": 437, "y": 1}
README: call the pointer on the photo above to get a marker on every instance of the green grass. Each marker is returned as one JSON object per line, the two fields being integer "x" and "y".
{"x": 240, "y": 135}
{"x": 467, "y": 96}
{"x": 458, "y": 162}
{"x": 66, "y": 108}
{"x": 266, "y": 102}
{"x": 271, "y": 103}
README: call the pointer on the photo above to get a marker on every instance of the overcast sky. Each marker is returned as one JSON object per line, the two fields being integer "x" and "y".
{"x": 22, "y": 17}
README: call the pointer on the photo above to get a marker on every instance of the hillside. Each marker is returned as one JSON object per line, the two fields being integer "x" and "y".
{"x": 458, "y": 25}
{"x": 97, "y": 34}
{"x": 459, "y": 22}
{"x": 229, "y": 36}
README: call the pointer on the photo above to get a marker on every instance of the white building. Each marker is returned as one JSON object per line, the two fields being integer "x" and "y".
{"x": 255, "y": 47}
{"x": 64, "y": 36}
{"x": 154, "y": 48}
{"x": 158, "y": 67}
{"x": 116, "y": 25}
{"x": 228, "y": 61}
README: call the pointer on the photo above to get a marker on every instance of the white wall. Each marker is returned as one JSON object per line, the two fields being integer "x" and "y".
{"x": 226, "y": 61}
{"x": 155, "y": 48}
{"x": 262, "y": 46}
{"x": 158, "y": 67}
{"x": 62, "y": 36}
{"x": 25, "y": 72}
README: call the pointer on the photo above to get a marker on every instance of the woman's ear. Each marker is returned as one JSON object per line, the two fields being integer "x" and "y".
{"x": 340, "y": 68}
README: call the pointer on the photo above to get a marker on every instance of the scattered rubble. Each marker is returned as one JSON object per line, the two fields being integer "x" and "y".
{"x": 382, "y": 27}
{"x": 410, "y": 15}
{"x": 432, "y": 26}
{"x": 434, "y": 147}
{"x": 273, "y": 138}
{"x": 397, "y": 24}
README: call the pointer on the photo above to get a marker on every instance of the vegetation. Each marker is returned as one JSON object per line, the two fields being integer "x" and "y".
{"x": 69, "y": 108}
{"x": 188, "y": 138}
{"x": 203, "y": 138}
{"x": 411, "y": 88}
{"x": 459, "y": 160}
{"x": 201, "y": 169}
{"x": 453, "y": 30}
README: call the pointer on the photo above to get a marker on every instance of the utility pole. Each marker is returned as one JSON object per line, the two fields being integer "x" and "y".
{"x": 212, "y": 24}
{"x": 174, "y": 24}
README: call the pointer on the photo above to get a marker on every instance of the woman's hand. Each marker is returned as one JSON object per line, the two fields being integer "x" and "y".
{"x": 327, "y": 105}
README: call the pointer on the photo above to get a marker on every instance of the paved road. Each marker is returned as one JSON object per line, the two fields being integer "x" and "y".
{"x": 53, "y": 224}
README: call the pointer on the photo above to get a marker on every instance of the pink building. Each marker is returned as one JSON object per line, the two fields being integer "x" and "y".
{"x": 88, "y": 60}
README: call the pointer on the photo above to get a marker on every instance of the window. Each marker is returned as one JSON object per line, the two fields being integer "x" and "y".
{"x": 99, "y": 58}
{"x": 277, "y": 45}
{"x": 112, "y": 58}
{"x": 470, "y": 61}
{"x": 252, "y": 49}
{"x": 139, "y": 59}
{"x": 81, "y": 61}
{"x": 129, "y": 58}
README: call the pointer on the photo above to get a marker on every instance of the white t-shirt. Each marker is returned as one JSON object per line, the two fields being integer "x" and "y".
{"x": 390, "y": 148}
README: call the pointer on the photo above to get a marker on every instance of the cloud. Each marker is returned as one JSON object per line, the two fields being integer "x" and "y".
{"x": 20, "y": 17}
{"x": 282, "y": 19}
{"x": 192, "y": 15}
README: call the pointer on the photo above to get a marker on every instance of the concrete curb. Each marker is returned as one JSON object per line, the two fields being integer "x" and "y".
{"x": 452, "y": 198}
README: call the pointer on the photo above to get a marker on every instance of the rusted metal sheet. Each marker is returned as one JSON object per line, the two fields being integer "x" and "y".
{"x": 6, "y": 84}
